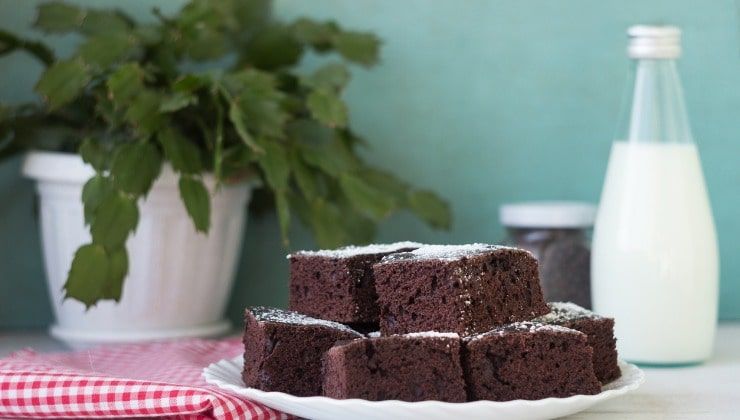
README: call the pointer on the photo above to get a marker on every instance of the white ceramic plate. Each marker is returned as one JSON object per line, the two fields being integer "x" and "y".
{"x": 227, "y": 375}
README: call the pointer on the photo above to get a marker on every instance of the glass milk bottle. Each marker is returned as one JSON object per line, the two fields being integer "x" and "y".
{"x": 654, "y": 256}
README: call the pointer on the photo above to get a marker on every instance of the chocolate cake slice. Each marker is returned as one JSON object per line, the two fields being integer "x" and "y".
{"x": 467, "y": 289}
{"x": 283, "y": 350}
{"x": 338, "y": 284}
{"x": 529, "y": 361}
{"x": 600, "y": 332}
{"x": 412, "y": 367}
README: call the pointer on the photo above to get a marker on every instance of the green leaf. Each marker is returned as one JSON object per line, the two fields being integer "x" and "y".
{"x": 310, "y": 132}
{"x": 304, "y": 176}
{"x": 251, "y": 13}
{"x": 87, "y": 275}
{"x": 197, "y": 202}
{"x": 300, "y": 207}
{"x": 327, "y": 230}
{"x": 259, "y": 101}
{"x": 236, "y": 116}
{"x": 136, "y": 166}
{"x": 59, "y": 17}
{"x": 430, "y": 208}
{"x": 106, "y": 49}
{"x": 362, "y": 231}
{"x": 148, "y": 34}
{"x": 366, "y": 199}
{"x": 95, "y": 190}
{"x": 358, "y": 228}
{"x": 387, "y": 183}
{"x": 196, "y": 12}
{"x": 115, "y": 217}
{"x": 183, "y": 154}
{"x": 218, "y": 133}
{"x": 272, "y": 48}
{"x": 333, "y": 222}
{"x": 352, "y": 139}
{"x": 333, "y": 76}
{"x": 93, "y": 153}
{"x": 359, "y": 47}
{"x": 143, "y": 112}
{"x": 334, "y": 157}
{"x": 198, "y": 29}
{"x": 189, "y": 83}
{"x": 203, "y": 42}
{"x": 125, "y": 83}
{"x": 283, "y": 211}
{"x": 236, "y": 163}
{"x": 326, "y": 107}
{"x": 104, "y": 22}
{"x": 117, "y": 270}
{"x": 265, "y": 117}
{"x": 61, "y": 83}
{"x": 317, "y": 34}
{"x": 165, "y": 59}
{"x": 177, "y": 101}
{"x": 274, "y": 162}
{"x": 108, "y": 111}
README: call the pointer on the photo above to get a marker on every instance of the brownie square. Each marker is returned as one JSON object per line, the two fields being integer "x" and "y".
{"x": 467, "y": 289}
{"x": 338, "y": 284}
{"x": 413, "y": 367}
{"x": 283, "y": 350}
{"x": 598, "y": 329}
{"x": 528, "y": 361}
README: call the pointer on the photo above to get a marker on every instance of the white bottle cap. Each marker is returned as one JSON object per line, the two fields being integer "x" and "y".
{"x": 657, "y": 42}
{"x": 548, "y": 214}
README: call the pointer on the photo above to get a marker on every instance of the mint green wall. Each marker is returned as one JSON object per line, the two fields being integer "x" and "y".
{"x": 485, "y": 101}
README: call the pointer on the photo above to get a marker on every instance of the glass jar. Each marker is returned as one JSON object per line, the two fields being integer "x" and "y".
{"x": 558, "y": 234}
{"x": 655, "y": 259}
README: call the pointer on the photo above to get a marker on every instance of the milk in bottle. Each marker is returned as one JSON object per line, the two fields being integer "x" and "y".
{"x": 654, "y": 258}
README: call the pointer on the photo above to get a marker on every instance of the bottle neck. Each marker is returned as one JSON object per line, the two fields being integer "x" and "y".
{"x": 654, "y": 110}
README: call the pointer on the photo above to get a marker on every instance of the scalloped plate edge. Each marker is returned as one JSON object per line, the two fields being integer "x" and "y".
{"x": 226, "y": 374}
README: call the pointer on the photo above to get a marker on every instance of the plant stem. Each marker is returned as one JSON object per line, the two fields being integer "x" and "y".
{"x": 10, "y": 43}
{"x": 218, "y": 152}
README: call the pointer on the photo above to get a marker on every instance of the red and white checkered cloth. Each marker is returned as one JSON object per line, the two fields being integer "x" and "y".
{"x": 160, "y": 379}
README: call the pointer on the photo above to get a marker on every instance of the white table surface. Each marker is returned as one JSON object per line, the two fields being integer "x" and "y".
{"x": 711, "y": 390}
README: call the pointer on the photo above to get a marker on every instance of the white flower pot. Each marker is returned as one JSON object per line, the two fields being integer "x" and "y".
{"x": 179, "y": 280}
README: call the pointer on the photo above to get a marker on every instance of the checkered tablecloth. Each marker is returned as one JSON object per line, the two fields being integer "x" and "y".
{"x": 137, "y": 380}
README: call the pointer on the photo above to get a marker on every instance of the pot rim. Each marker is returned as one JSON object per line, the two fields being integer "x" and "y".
{"x": 56, "y": 167}
{"x": 63, "y": 167}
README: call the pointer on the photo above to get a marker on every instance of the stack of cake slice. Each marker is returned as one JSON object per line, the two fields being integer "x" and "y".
{"x": 454, "y": 323}
{"x": 339, "y": 284}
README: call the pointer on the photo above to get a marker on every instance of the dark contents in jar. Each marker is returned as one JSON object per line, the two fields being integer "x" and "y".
{"x": 565, "y": 262}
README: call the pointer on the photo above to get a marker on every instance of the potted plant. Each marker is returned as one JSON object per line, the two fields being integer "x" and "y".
{"x": 199, "y": 107}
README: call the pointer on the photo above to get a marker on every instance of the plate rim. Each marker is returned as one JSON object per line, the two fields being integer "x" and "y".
{"x": 238, "y": 361}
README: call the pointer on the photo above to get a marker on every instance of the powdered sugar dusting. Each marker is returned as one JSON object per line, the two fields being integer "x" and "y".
{"x": 466, "y": 298}
{"x": 353, "y": 251}
{"x": 522, "y": 327}
{"x": 266, "y": 314}
{"x": 562, "y": 312}
{"x": 374, "y": 334}
{"x": 445, "y": 252}
{"x": 432, "y": 334}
